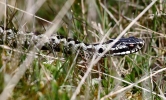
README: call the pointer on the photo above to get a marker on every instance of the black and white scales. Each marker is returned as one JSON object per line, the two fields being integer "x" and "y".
{"x": 58, "y": 43}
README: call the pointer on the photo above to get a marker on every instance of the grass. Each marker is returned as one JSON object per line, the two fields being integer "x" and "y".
{"x": 35, "y": 74}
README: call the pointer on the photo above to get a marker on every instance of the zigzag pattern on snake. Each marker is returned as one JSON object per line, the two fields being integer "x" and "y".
{"x": 123, "y": 46}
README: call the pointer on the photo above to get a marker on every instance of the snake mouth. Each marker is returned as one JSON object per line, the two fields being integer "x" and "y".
{"x": 124, "y": 51}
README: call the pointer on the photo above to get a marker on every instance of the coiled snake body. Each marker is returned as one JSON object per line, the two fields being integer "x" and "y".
{"x": 57, "y": 43}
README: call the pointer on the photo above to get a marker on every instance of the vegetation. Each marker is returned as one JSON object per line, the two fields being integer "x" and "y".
{"x": 34, "y": 74}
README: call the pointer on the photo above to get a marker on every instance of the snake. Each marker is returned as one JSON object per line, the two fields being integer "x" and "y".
{"x": 123, "y": 46}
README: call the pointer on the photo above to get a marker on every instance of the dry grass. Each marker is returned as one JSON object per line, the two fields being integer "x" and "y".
{"x": 34, "y": 74}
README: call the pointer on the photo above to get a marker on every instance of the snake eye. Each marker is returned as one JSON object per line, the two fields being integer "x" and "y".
{"x": 131, "y": 45}
{"x": 100, "y": 50}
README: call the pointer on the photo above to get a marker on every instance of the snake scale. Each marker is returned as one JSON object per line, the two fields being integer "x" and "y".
{"x": 123, "y": 46}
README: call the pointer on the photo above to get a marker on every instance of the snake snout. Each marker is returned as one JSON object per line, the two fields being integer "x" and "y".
{"x": 140, "y": 44}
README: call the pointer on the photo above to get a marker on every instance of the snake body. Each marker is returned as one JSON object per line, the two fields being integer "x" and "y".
{"x": 123, "y": 46}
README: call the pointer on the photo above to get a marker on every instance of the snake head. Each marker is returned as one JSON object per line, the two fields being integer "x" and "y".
{"x": 126, "y": 46}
